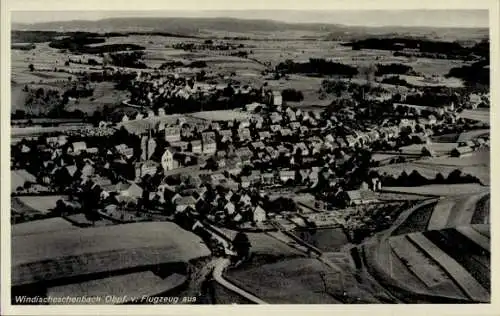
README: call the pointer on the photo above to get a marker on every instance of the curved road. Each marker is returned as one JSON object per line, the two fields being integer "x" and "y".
{"x": 220, "y": 266}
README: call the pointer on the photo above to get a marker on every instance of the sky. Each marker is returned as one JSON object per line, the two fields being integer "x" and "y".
{"x": 434, "y": 18}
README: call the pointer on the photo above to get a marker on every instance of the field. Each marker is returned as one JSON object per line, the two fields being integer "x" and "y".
{"x": 142, "y": 125}
{"x": 470, "y": 135}
{"x": 43, "y": 204}
{"x": 301, "y": 277}
{"x": 125, "y": 286}
{"x": 101, "y": 249}
{"x": 476, "y": 164}
{"x": 426, "y": 170}
{"x": 262, "y": 243}
{"x": 263, "y": 55}
{"x": 447, "y": 138}
{"x": 439, "y": 189}
{"x": 80, "y": 220}
{"x": 422, "y": 82}
{"x": 309, "y": 86}
{"x": 481, "y": 115}
{"x": 393, "y": 194}
{"x": 439, "y": 247}
{"x": 438, "y": 148}
{"x": 41, "y": 226}
{"x": 453, "y": 211}
{"x": 221, "y": 115}
{"x": 225, "y": 296}
{"x": 36, "y": 130}
{"x": 326, "y": 239}
{"x": 104, "y": 94}
{"x": 480, "y": 158}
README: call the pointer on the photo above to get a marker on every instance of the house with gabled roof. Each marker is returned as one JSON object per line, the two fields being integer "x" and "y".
{"x": 275, "y": 128}
{"x": 78, "y": 147}
{"x": 181, "y": 204}
{"x": 226, "y": 135}
{"x": 302, "y": 146}
{"x": 263, "y": 135}
{"x": 358, "y": 197}
{"x": 259, "y": 214}
{"x": 257, "y": 145}
{"x": 267, "y": 178}
{"x": 244, "y": 134}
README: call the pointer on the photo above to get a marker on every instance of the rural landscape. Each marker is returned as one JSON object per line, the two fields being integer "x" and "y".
{"x": 219, "y": 160}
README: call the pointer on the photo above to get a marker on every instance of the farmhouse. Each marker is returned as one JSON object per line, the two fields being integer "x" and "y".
{"x": 358, "y": 197}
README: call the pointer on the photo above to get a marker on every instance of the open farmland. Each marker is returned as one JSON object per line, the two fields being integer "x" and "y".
{"x": 221, "y": 115}
{"x": 428, "y": 171}
{"x": 328, "y": 197}
{"x": 325, "y": 239}
{"x": 471, "y": 135}
{"x": 420, "y": 81}
{"x": 41, "y": 226}
{"x": 453, "y": 211}
{"x": 438, "y": 148}
{"x": 104, "y": 95}
{"x": 301, "y": 277}
{"x": 481, "y": 115}
{"x": 477, "y": 158}
{"x": 42, "y": 204}
{"x": 439, "y": 189}
{"x": 263, "y": 243}
{"x": 100, "y": 248}
{"x": 476, "y": 164}
{"x": 309, "y": 86}
{"x": 142, "y": 283}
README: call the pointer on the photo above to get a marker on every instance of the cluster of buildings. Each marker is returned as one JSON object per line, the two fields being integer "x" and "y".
{"x": 276, "y": 146}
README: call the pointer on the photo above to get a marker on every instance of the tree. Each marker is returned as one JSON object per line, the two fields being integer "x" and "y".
{"x": 242, "y": 245}
{"x": 455, "y": 176}
{"x": 31, "y": 67}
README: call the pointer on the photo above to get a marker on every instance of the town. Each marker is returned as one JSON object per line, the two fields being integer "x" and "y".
{"x": 259, "y": 176}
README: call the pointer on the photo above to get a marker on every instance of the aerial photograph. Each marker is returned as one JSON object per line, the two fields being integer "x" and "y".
{"x": 250, "y": 157}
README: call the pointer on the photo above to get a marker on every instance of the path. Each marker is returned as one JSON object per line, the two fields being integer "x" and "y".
{"x": 220, "y": 266}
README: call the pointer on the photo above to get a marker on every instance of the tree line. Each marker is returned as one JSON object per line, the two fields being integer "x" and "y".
{"x": 316, "y": 66}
